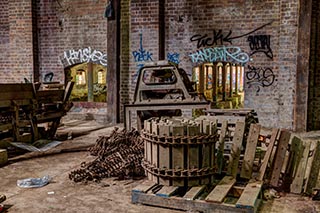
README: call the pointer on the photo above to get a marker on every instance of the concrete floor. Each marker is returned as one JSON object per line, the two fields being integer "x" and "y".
{"x": 63, "y": 195}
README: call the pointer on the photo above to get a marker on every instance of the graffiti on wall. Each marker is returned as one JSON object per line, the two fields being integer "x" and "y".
{"x": 219, "y": 38}
{"x": 260, "y": 77}
{"x": 260, "y": 43}
{"x": 86, "y": 55}
{"x": 140, "y": 56}
{"x": 224, "y": 53}
{"x": 173, "y": 57}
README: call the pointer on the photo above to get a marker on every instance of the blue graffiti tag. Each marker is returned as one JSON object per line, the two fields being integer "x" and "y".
{"x": 223, "y": 53}
{"x": 173, "y": 57}
{"x": 141, "y": 54}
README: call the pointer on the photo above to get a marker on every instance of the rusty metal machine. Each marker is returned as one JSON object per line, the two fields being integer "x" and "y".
{"x": 163, "y": 87}
{"x": 23, "y": 107}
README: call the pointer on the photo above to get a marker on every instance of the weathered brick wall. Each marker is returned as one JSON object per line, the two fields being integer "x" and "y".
{"x": 125, "y": 55}
{"x": 265, "y": 30}
{"x": 16, "y": 59}
{"x": 69, "y": 25}
{"x": 314, "y": 76}
{"x": 144, "y": 37}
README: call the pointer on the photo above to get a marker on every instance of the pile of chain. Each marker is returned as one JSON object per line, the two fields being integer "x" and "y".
{"x": 118, "y": 155}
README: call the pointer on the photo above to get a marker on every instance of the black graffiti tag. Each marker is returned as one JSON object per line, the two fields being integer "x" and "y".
{"x": 260, "y": 43}
{"x": 260, "y": 77}
{"x": 217, "y": 39}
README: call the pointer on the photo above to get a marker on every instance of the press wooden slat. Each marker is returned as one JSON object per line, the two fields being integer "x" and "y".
{"x": 178, "y": 154}
{"x": 221, "y": 190}
{"x": 194, "y": 192}
{"x": 193, "y": 153}
{"x": 297, "y": 183}
{"x": 164, "y": 153}
{"x": 279, "y": 156}
{"x": 235, "y": 150}
{"x": 267, "y": 155}
{"x": 249, "y": 196}
{"x": 220, "y": 151}
{"x": 250, "y": 151}
{"x": 167, "y": 191}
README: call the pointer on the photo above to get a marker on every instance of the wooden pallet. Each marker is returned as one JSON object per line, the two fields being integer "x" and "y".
{"x": 224, "y": 197}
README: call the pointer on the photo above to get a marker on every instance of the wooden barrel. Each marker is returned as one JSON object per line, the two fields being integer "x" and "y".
{"x": 179, "y": 151}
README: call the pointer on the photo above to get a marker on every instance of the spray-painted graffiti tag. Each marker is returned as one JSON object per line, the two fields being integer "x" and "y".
{"x": 142, "y": 54}
{"x": 260, "y": 43}
{"x": 219, "y": 38}
{"x": 173, "y": 57}
{"x": 231, "y": 54}
{"x": 260, "y": 77}
{"x": 85, "y": 55}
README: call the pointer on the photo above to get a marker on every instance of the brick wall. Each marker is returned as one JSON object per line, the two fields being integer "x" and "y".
{"x": 314, "y": 76}
{"x": 265, "y": 29}
{"x": 16, "y": 41}
{"x": 69, "y": 25}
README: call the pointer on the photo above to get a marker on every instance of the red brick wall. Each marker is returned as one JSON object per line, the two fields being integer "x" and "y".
{"x": 69, "y": 25}
{"x": 16, "y": 59}
{"x": 273, "y": 97}
{"x": 314, "y": 76}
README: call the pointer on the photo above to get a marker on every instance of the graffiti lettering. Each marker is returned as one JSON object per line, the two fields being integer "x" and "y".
{"x": 85, "y": 55}
{"x": 142, "y": 54}
{"x": 173, "y": 57}
{"x": 260, "y": 77}
{"x": 218, "y": 38}
{"x": 231, "y": 54}
{"x": 260, "y": 43}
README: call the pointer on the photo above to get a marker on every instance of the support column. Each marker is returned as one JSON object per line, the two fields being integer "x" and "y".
{"x": 113, "y": 76}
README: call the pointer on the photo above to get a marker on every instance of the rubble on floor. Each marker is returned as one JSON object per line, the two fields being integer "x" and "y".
{"x": 118, "y": 155}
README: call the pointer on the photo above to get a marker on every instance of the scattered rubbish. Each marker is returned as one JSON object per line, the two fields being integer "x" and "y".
{"x": 118, "y": 155}
{"x": 2, "y": 198}
{"x": 33, "y": 182}
{"x": 50, "y": 193}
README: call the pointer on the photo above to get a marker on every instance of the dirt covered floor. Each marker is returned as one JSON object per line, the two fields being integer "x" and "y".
{"x": 110, "y": 195}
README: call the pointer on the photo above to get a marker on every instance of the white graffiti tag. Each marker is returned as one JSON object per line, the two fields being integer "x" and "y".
{"x": 220, "y": 54}
{"x": 84, "y": 56}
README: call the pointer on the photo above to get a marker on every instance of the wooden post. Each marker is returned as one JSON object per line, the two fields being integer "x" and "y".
{"x": 113, "y": 76}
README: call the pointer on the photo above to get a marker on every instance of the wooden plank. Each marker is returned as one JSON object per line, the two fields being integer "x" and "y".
{"x": 235, "y": 150}
{"x": 297, "y": 183}
{"x": 267, "y": 155}
{"x": 279, "y": 157}
{"x": 247, "y": 163}
{"x": 144, "y": 187}
{"x": 220, "y": 151}
{"x": 249, "y": 196}
{"x": 313, "y": 146}
{"x": 221, "y": 190}
{"x": 164, "y": 153}
{"x": 167, "y": 191}
{"x": 314, "y": 177}
{"x": 178, "y": 160}
{"x": 194, "y": 192}
{"x": 182, "y": 204}
{"x": 193, "y": 153}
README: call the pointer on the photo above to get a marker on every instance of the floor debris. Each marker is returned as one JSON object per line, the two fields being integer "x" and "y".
{"x": 118, "y": 155}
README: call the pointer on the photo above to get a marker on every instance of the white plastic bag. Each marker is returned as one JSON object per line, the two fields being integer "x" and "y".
{"x": 33, "y": 182}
